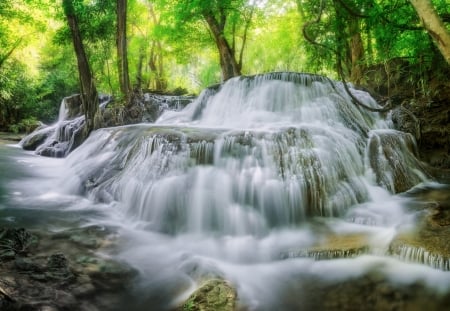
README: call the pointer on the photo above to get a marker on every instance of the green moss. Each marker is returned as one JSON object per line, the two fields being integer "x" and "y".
{"x": 213, "y": 295}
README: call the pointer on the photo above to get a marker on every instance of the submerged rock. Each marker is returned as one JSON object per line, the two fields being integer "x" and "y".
{"x": 51, "y": 276}
{"x": 15, "y": 242}
{"x": 428, "y": 242}
{"x": 375, "y": 292}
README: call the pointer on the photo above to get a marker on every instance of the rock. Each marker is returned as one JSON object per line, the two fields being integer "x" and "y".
{"x": 428, "y": 243}
{"x": 375, "y": 292}
{"x": 48, "y": 276}
{"x": 405, "y": 121}
{"x": 332, "y": 247}
{"x": 27, "y": 265}
{"x": 73, "y": 106}
{"x": 37, "y": 138}
{"x": 393, "y": 159}
{"x": 58, "y": 267}
{"x": 84, "y": 290}
{"x": 213, "y": 295}
{"x": 15, "y": 241}
{"x": 91, "y": 237}
{"x": 108, "y": 274}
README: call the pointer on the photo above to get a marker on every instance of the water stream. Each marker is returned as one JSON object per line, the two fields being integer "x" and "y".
{"x": 242, "y": 184}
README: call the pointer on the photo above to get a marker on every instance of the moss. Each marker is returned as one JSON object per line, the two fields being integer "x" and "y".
{"x": 213, "y": 295}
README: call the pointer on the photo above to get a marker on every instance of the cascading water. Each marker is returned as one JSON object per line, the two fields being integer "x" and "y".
{"x": 58, "y": 139}
{"x": 255, "y": 169}
{"x": 261, "y": 153}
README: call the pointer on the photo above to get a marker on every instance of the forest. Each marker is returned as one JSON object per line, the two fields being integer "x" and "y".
{"x": 125, "y": 47}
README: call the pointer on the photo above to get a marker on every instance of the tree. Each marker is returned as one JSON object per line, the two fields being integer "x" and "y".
{"x": 89, "y": 94}
{"x": 434, "y": 26}
{"x": 122, "y": 54}
{"x": 358, "y": 34}
{"x": 224, "y": 19}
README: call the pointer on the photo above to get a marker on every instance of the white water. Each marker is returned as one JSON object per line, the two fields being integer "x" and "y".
{"x": 239, "y": 177}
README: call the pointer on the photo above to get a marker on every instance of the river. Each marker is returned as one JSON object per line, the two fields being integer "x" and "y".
{"x": 266, "y": 184}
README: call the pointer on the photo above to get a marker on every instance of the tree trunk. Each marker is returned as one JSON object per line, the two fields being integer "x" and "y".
{"x": 155, "y": 64}
{"x": 343, "y": 46}
{"x": 122, "y": 55}
{"x": 228, "y": 63}
{"x": 434, "y": 26}
{"x": 357, "y": 52}
{"x": 89, "y": 94}
{"x": 4, "y": 57}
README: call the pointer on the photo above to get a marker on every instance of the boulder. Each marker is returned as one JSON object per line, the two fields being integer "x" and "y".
{"x": 393, "y": 159}
{"x": 213, "y": 295}
{"x": 37, "y": 138}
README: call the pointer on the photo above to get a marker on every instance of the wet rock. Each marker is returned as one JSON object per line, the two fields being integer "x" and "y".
{"x": 82, "y": 290}
{"x": 58, "y": 267}
{"x": 213, "y": 295}
{"x": 405, "y": 121}
{"x": 108, "y": 274}
{"x": 332, "y": 247}
{"x": 48, "y": 275}
{"x": 428, "y": 242}
{"x": 27, "y": 265}
{"x": 91, "y": 237}
{"x": 393, "y": 159}
{"x": 37, "y": 138}
{"x": 15, "y": 241}
{"x": 73, "y": 106}
{"x": 146, "y": 108}
{"x": 374, "y": 292}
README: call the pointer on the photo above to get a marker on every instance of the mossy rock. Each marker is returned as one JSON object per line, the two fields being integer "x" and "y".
{"x": 213, "y": 295}
{"x": 332, "y": 247}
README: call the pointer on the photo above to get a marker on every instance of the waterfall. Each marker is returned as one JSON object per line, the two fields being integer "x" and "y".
{"x": 422, "y": 256}
{"x": 58, "y": 139}
{"x": 256, "y": 153}
{"x": 277, "y": 184}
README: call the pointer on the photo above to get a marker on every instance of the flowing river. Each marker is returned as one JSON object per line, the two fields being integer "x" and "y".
{"x": 276, "y": 183}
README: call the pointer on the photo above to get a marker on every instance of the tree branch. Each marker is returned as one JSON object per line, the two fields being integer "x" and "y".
{"x": 8, "y": 54}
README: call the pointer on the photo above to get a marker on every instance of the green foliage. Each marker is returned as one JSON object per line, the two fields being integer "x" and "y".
{"x": 388, "y": 29}
{"x": 17, "y": 97}
{"x": 171, "y": 46}
{"x": 56, "y": 81}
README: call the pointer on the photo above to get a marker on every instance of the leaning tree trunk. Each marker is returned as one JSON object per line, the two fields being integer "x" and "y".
{"x": 122, "y": 55}
{"x": 434, "y": 26}
{"x": 89, "y": 95}
{"x": 228, "y": 63}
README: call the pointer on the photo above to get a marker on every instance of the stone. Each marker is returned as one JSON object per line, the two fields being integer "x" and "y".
{"x": 27, "y": 265}
{"x": 428, "y": 242}
{"x": 73, "y": 105}
{"x": 393, "y": 159}
{"x": 36, "y": 138}
{"x": 332, "y": 247}
{"x": 15, "y": 241}
{"x": 213, "y": 295}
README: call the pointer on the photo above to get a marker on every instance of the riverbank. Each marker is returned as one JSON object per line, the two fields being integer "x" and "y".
{"x": 11, "y": 138}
